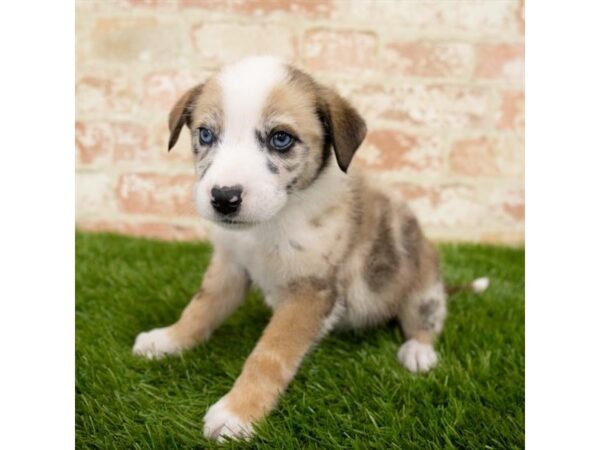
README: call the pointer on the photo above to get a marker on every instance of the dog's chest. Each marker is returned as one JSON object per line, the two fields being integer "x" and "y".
{"x": 276, "y": 257}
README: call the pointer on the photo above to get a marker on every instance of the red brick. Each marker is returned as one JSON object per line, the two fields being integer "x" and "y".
{"x": 181, "y": 154}
{"x": 487, "y": 156}
{"x": 414, "y": 191}
{"x": 514, "y": 237}
{"x": 157, "y": 230}
{"x": 512, "y": 114}
{"x": 131, "y": 143}
{"x": 153, "y": 3}
{"x": 103, "y": 95}
{"x": 453, "y": 205}
{"x": 520, "y": 15}
{"x": 339, "y": 50}
{"x": 484, "y": 17}
{"x": 93, "y": 94}
{"x": 216, "y": 44}
{"x": 137, "y": 40}
{"x": 94, "y": 142}
{"x": 515, "y": 210}
{"x": 426, "y": 106}
{"x": 507, "y": 204}
{"x": 222, "y": 5}
{"x": 127, "y": 142}
{"x": 162, "y": 89}
{"x": 481, "y": 17}
{"x": 94, "y": 192}
{"x": 446, "y": 206}
{"x": 404, "y": 152}
{"x": 309, "y": 8}
{"x": 501, "y": 61}
{"x": 474, "y": 157}
{"x": 150, "y": 193}
{"x": 429, "y": 59}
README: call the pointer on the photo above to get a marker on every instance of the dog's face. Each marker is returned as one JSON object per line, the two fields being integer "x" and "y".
{"x": 262, "y": 130}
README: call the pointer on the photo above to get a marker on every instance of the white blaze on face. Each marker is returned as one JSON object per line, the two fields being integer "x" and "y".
{"x": 238, "y": 158}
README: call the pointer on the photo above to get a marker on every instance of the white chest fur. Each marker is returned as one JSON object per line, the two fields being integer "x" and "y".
{"x": 306, "y": 239}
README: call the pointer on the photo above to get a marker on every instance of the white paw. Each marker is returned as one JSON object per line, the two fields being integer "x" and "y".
{"x": 220, "y": 422}
{"x": 480, "y": 284}
{"x": 416, "y": 356}
{"x": 155, "y": 344}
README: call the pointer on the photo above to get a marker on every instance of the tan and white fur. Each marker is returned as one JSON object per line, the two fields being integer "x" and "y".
{"x": 327, "y": 248}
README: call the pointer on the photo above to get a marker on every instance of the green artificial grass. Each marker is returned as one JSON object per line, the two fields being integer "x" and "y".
{"x": 350, "y": 393}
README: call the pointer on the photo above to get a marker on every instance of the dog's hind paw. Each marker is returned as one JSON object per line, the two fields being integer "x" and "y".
{"x": 416, "y": 356}
{"x": 155, "y": 344}
{"x": 221, "y": 423}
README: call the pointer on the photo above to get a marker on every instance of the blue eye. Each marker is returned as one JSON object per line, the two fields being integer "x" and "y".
{"x": 206, "y": 137}
{"x": 281, "y": 141}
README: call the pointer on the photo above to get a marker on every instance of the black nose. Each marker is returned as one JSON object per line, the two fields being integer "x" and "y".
{"x": 227, "y": 199}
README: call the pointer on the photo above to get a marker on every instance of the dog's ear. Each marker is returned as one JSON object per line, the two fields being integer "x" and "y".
{"x": 345, "y": 127}
{"x": 180, "y": 115}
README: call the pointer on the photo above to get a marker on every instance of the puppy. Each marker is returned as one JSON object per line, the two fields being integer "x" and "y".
{"x": 328, "y": 249}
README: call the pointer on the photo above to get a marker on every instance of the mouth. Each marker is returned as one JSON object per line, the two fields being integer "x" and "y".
{"x": 234, "y": 224}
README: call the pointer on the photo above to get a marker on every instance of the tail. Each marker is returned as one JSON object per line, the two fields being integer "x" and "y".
{"x": 477, "y": 286}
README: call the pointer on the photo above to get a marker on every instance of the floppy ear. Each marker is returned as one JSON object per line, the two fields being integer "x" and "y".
{"x": 347, "y": 129}
{"x": 180, "y": 115}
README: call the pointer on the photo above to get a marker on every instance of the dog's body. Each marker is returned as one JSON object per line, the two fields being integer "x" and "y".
{"x": 328, "y": 249}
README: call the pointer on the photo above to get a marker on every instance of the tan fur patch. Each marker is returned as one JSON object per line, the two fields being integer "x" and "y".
{"x": 294, "y": 328}
{"x": 208, "y": 107}
{"x": 223, "y": 289}
{"x": 291, "y": 107}
{"x": 180, "y": 114}
{"x": 200, "y": 103}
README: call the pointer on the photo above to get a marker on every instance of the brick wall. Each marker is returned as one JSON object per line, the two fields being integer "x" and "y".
{"x": 440, "y": 83}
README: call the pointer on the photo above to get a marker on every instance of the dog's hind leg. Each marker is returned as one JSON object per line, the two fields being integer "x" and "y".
{"x": 422, "y": 318}
{"x": 224, "y": 287}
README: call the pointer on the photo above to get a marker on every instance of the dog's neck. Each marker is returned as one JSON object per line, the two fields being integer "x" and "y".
{"x": 327, "y": 190}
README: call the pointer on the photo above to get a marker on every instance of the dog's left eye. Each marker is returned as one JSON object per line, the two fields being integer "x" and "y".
{"x": 281, "y": 141}
{"x": 206, "y": 136}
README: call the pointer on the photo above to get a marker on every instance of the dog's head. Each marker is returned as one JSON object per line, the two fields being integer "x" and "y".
{"x": 262, "y": 130}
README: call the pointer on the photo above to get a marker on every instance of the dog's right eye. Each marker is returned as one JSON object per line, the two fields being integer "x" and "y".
{"x": 206, "y": 136}
{"x": 281, "y": 141}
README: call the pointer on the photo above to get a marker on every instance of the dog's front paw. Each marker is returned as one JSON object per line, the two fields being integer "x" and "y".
{"x": 417, "y": 356}
{"x": 155, "y": 344}
{"x": 220, "y": 422}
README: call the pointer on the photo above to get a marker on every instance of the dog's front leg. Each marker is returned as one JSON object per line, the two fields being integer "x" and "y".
{"x": 303, "y": 316}
{"x": 223, "y": 289}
